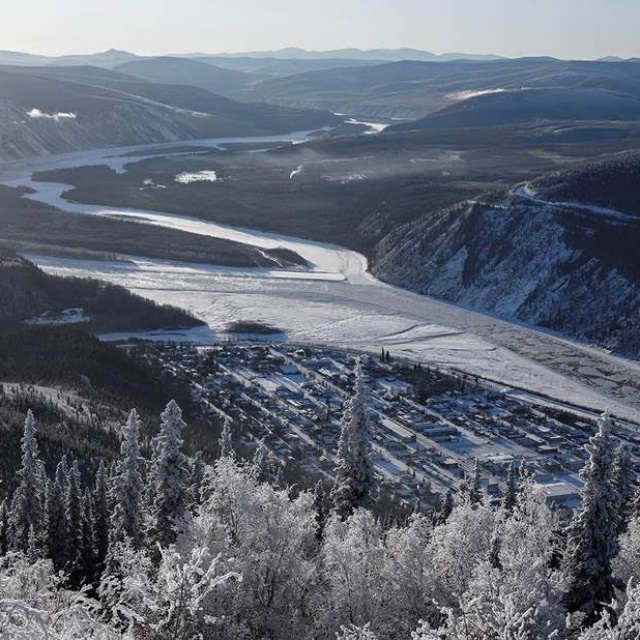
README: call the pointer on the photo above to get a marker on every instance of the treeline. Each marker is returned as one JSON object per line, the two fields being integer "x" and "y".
{"x": 613, "y": 183}
{"x": 164, "y": 546}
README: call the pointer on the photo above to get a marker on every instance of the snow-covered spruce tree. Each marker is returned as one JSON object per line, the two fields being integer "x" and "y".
{"x": 354, "y": 483}
{"x": 101, "y": 517}
{"x": 511, "y": 490}
{"x": 627, "y": 563}
{"x": 88, "y": 553}
{"x": 127, "y": 487}
{"x": 170, "y": 476}
{"x": 591, "y": 544}
{"x": 260, "y": 462}
{"x": 27, "y": 503}
{"x": 74, "y": 519}
{"x": 57, "y": 523}
{"x": 624, "y": 483}
{"x": 197, "y": 475}
{"x": 225, "y": 442}
{"x": 475, "y": 483}
{"x": 446, "y": 507}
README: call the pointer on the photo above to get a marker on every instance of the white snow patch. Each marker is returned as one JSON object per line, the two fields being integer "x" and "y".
{"x": 66, "y": 316}
{"x": 61, "y": 115}
{"x": 200, "y": 176}
{"x": 465, "y": 95}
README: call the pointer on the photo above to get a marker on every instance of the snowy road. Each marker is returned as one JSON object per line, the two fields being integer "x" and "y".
{"x": 337, "y": 302}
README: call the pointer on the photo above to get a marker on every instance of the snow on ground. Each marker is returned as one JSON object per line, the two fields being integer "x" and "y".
{"x": 42, "y": 115}
{"x": 66, "y": 316}
{"x": 362, "y": 317}
{"x": 338, "y": 303}
{"x": 200, "y": 176}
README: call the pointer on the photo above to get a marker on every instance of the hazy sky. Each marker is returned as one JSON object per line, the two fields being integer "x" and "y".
{"x": 562, "y": 28}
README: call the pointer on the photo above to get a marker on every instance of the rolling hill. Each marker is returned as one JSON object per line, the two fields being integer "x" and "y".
{"x": 414, "y": 89}
{"x": 55, "y": 110}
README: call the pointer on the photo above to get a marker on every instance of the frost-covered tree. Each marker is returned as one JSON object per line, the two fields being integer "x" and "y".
{"x": 511, "y": 489}
{"x": 458, "y": 546}
{"x": 127, "y": 487}
{"x": 354, "y": 481}
{"x": 101, "y": 516}
{"x": 627, "y": 626}
{"x": 169, "y": 476}
{"x": 57, "y": 523}
{"x": 354, "y": 632}
{"x": 624, "y": 484}
{"x": 74, "y": 521}
{"x": 592, "y": 545}
{"x": 225, "y": 442}
{"x": 34, "y": 603}
{"x": 167, "y": 603}
{"x": 407, "y": 576}
{"x": 475, "y": 483}
{"x": 28, "y": 499}
{"x": 268, "y": 537}
{"x": 353, "y": 562}
{"x": 261, "y": 464}
{"x": 627, "y": 563}
{"x": 445, "y": 509}
{"x": 518, "y": 594}
{"x": 197, "y": 475}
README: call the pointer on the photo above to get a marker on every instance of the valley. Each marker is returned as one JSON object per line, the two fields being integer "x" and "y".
{"x": 337, "y": 302}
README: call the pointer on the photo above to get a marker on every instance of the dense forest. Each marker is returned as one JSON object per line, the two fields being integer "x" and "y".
{"x": 160, "y": 544}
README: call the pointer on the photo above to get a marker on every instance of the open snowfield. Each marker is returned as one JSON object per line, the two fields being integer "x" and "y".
{"x": 338, "y": 303}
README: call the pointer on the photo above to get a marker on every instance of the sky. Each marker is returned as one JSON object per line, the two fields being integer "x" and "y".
{"x": 582, "y": 29}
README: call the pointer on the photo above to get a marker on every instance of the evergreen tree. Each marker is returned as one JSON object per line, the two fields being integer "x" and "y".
{"x": 511, "y": 490}
{"x": 591, "y": 544}
{"x": 624, "y": 483}
{"x": 101, "y": 517}
{"x": 475, "y": 484}
{"x": 74, "y": 517}
{"x": 445, "y": 508}
{"x": 26, "y": 507}
{"x": 88, "y": 565}
{"x": 320, "y": 504}
{"x": 170, "y": 476}
{"x": 196, "y": 480}
{"x": 57, "y": 525}
{"x": 354, "y": 482}
{"x": 127, "y": 486}
{"x": 225, "y": 442}
{"x": 260, "y": 463}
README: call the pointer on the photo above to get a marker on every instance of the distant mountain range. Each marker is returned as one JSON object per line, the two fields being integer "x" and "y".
{"x": 113, "y": 57}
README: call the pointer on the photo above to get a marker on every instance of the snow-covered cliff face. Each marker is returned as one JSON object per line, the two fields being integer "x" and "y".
{"x": 567, "y": 268}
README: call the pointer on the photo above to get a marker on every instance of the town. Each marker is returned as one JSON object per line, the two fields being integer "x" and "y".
{"x": 429, "y": 427}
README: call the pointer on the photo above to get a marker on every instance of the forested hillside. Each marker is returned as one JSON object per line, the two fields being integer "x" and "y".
{"x": 29, "y": 294}
{"x": 559, "y": 252}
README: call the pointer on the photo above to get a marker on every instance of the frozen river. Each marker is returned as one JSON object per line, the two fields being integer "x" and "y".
{"x": 337, "y": 302}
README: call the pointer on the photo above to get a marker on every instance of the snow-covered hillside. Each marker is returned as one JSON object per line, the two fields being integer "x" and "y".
{"x": 566, "y": 266}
